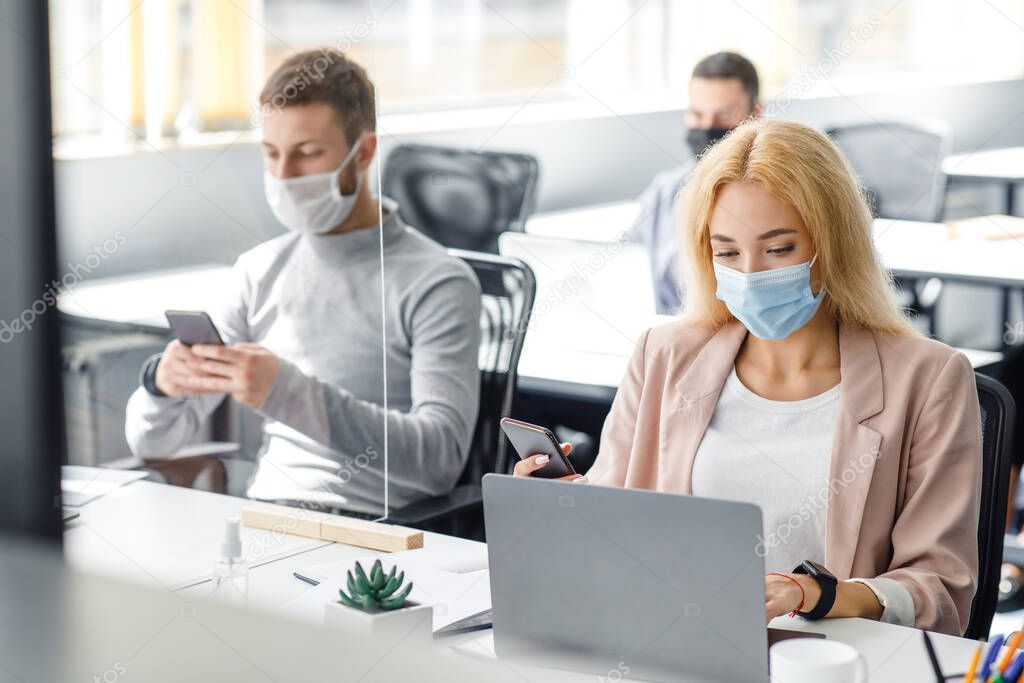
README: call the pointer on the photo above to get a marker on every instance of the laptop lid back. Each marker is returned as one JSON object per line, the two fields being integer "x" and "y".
{"x": 599, "y": 579}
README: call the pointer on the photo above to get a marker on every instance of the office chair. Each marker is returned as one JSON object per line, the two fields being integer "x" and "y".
{"x": 461, "y": 198}
{"x": 997, "y": 418}
{"x": 899, "y": 164}
{"x": 508, "y": 290}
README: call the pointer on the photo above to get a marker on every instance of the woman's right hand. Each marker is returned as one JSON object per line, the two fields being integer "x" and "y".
{"x": 527, "y": 466}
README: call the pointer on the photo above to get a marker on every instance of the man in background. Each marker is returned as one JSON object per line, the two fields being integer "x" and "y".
{"x": 309, "y": 316}
{"x": 724, "y": 90}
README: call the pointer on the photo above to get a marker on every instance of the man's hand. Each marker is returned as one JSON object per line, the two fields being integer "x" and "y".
{"x": 246, "y": 371}
{"x": 179, "y": 373}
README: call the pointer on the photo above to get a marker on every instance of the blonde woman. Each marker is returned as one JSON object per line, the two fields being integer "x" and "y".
{"x": 792, "y": 381}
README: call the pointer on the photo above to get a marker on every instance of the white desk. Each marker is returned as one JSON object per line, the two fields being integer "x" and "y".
{"x": 924, "y": 250}
{"x": 916, "y": 249}
{"x": 164, "y": 536}
{"x": 139, "y": 301}
{"x": 61, "y": 625}
{"x": 908, "y": 248}
{"x": 599, "y": 223}
{"x": 893, "y": 653}
{"x": 556, "y": 367}
{"x": 1001, "y": 166}
{"x": 142, "y": 299}
{"x": 287, "y": 652}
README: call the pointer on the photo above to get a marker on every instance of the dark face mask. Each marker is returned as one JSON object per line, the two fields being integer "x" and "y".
{"x": 700, "y": 139}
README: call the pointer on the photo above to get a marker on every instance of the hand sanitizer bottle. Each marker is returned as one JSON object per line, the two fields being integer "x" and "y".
{"x": 231, "y": 572}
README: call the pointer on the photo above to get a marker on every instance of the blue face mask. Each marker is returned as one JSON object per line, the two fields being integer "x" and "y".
{"x": 771, "y": 304}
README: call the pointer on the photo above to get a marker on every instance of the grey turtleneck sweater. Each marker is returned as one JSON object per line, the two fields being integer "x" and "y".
{"x": 315, "y": 302}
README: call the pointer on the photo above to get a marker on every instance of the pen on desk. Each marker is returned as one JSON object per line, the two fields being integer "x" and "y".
{"x": 932, "y": 659}
{"x": 306, "y": 579}
{"x": 972, "y": 668}
{"x": 1012, "y": 643}
{"x": 990, "y": 656}
{"x": 1012, "y": 675}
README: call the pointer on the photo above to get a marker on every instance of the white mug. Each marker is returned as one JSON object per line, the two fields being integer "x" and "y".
{"x": 815, "y": 660}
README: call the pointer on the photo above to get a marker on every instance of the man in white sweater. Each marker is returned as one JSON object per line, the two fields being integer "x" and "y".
{"x": 304, "y": 321}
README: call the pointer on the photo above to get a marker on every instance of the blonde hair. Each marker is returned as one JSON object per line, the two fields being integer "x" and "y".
{"x": 802, "y": 167}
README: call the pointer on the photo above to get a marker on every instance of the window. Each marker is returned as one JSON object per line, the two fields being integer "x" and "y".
{"x": 125, "y": 69}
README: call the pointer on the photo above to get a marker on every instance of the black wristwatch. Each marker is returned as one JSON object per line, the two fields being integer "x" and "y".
{"x": 147, "y": 378}
{"x": 826, "y": 581}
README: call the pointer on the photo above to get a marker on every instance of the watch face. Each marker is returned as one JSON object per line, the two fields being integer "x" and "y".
{"x": 815, "y": 569}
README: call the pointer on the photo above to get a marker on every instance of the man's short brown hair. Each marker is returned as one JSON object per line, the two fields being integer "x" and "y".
{"x": 323, "y": 76}
{"x": 731, "y": 65}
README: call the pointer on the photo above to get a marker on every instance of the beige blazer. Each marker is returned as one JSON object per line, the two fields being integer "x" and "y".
{"x": 905, "y": 464}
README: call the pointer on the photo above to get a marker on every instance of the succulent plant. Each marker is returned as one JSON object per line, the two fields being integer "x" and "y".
{"x": 376, "y": 591}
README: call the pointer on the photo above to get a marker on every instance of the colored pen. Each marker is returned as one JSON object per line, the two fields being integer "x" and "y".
{"x": 1012, "y": 674}
{"x": 1012, "y": 643}
{"x": 300, "y": 577}
{"x": 973, "y": 667}
{"x": 932, "y": 659}
{"x": 990, "y": 655}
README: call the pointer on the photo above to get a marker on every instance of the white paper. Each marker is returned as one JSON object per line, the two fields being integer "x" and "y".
{"x": 80, "y": 485}
{"x": 457, "y": 558}
{"x": 480, "y": 646}
{"x": 454, "y": 596}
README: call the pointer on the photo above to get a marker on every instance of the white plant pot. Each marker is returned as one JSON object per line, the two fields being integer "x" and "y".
{"x": 411, "y": 623}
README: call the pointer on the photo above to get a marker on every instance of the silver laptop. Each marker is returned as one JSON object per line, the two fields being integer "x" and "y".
{"x": 650, "y": 585}
{"x": 595, "y": 296}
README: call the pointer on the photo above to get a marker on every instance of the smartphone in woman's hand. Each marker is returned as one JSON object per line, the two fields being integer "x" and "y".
{"x": 529, "y": 439}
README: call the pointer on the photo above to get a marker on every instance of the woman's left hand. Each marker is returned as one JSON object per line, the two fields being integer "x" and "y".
{"x": 782, "y": 595}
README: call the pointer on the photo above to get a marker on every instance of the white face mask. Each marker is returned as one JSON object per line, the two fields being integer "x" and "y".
{"x": 313, "y": 203}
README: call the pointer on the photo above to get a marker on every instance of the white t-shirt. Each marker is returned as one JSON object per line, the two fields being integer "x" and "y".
{"x": 775, "y": 454}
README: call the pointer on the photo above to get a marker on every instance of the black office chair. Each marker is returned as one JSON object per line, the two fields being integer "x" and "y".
{"x": 997, "y": 418}
{"x": 508, "y": 290}
{"x": 461, "y": 198}
{"x": 899, "y": 164}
